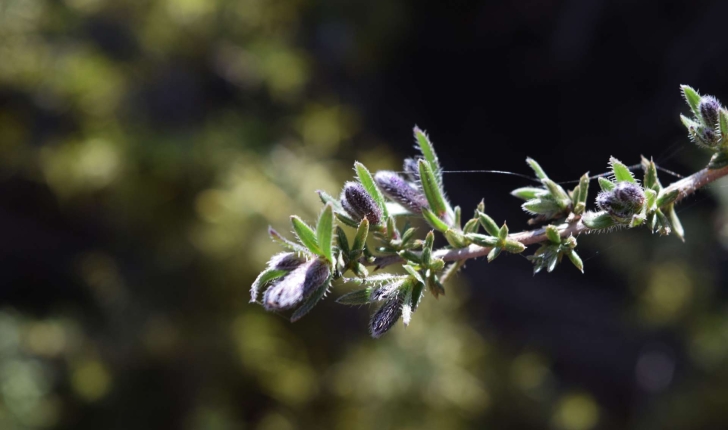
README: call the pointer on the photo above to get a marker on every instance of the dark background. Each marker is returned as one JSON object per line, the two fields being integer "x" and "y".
{"x": 145, "y": 147}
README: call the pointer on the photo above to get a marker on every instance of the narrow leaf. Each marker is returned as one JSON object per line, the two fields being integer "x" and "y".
{"x": 325, "y": 231}
{"x": 514, "y": 247}
{"x": 528, "y": 193}
{"x": 361, "y": 236}
{"x": 598, "y": 220}
{"x": 558, "y": 193}
{"x": 605, "y": 184}
{"x": 354, "y": 298}
{"x": 432, "y": 189}
{"x": 723, "y": 124}
{"x": 434, "y": 221}
{"x": 306, "y": 235}
{"x": 488, "y": 224}
{"x": 342, "y": 240}
{"x": 540, "y": 174}
{"x": 583, "y": 188}
{"x": 417, "y": 292}
{"x": 415, "y": 274}
{"x": 677, "y": 227}
{"x": 620, "y": 171}
{"x": 552, "y": 233}
{"x": 471, "y": 226}
{"x": 650, "y": 180}
{"x": 291, "y": 246}
{"x": 494, "y": 253}
{"x": 574, "y": 257}
{"x": 545, "y": 206}
{"x": 455, "y": 238}
{"x": 265, "y": 277}
{"x": 692, "y": 98}
{"x": 503, "y": 232}
{"x": 367, "y": 181}
{"x": 428, "y": 151}
{"x": 482, "y": 240}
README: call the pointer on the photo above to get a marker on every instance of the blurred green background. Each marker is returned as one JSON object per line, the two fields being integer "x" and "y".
{"x": 145, "y": 146}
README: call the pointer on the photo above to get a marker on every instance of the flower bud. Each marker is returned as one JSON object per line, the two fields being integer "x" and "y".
{"x": 290, "y": 290}
{"x": 386, "y": 316}
{"x": 401, "y": 191}
{"x": 286, "y": 261}
{"x": 622, "y": 202}
{"x": 357, "y": 202}
{"x": 709, "y": 108}
{"x": 706, "y": 136}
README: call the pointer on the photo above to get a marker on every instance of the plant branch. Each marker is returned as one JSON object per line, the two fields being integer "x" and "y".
{"x": 686, "y": 187}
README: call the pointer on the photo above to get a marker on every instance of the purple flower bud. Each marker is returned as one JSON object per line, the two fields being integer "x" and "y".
{"x": 286, "y": 261}
{"x": 624, "y": 201}
{"x": 293, "y": 288}
{"x": 386, "y": 291}
{"x": 401, "y": 191}
{"x": 709, "y": 108}
{"x": 706, "y": 136}
{"x": 386, "y": 316}
{"x": 357, "y": 202}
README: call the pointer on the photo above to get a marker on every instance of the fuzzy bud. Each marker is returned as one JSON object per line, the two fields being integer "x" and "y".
{"x": 709, "y": 108}
{"x": 401, "y": 191}
{"x": 290, "y": 290}
{"x": 706, "y": 136}
{"x": 357, "y": 202}
{"x": 286, "y": 261}
{"x": 623, "y": 202}
{"x": 386, "y": 316}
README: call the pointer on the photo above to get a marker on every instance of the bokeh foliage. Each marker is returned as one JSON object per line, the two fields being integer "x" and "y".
{"x": 145, "y": 146}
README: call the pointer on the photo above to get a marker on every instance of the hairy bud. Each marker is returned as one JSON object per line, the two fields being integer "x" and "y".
{"x": 401, "y": 191}
{"x": 706, "y": 136}
{"x": 286, "y": 261}
{"x": 386, "y": 316}
{"x": 624, "y": 201}
{"x": 290, "y": 290}
{"x": 709, "y": 108}
{"x": 357, "y": 202}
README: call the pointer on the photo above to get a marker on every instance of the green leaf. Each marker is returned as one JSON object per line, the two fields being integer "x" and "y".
{"x": 528, "y": 193}
{"x": 411, "y": 270}
{"x": 574, "y": 257}
{"x": 328, "y": 199}
{"x": 471, "y": 226}
{"x": 354, "y": 298}
{"x": 361, "y": 236}
{"x": 650, "y": 180}
{"x": 342, "y": 240}
{"x": 540, "y": 174}
{"x": 428, "y": 151}
{"x": 426, "y": 257}
{"x": 429, "y": 240}
{"x": 291, "y": 246}
{"x": 311, "y": 301}
{"x": 494, "y": 253}
{"x": 605, "y": 184}
{"x": 718, "y": 160}
{"x": 546, "y": 206}
{"x": 650, "y": 198}
{"x": 692, "y": 98}
{"x": 514, "y": 247}
{"x": 620, "y": 171}
{"x": 265, "y": 277}
{"x": 691, "y": 125}
{"x": 344, "y": 218}
{"x": 677, "y": 227}
{"x": 666, "y": 198}
{"x": 325, "y": 231}
{"x": 488, "y": 224}
{"x": 434, "y": 221}
{"x": 408, "y": 235}
{"x": 723, "y": 124}
{"x": 583, "y": 188}
{"x": 553, "y": 235}
{"x": 598, "y": 220}
{"x": 482, "y": 240}
{"x": 417, "y": 293}
{"x": 457, "y": 223}
{"x": 367, "y": 181}
{"x": 665, "y": 227}
{"x": 558, "y": 193}
{"x": 410, "y": 256}
{"x": 432, "y": 190}
{"x": 503, "y": 232}
{"x": 306, "y": 235}
{"x": 455, "y": 238}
